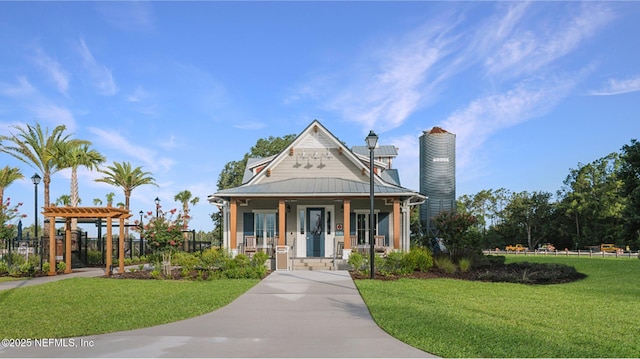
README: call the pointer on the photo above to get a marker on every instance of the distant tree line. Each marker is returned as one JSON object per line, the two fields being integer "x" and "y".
{"x": 599, "y": 202}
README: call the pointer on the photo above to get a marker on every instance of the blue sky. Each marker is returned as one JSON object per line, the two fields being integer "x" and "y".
{"x": 182, "y": 88}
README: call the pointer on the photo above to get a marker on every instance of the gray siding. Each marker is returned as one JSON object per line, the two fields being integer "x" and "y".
{"x": 310, "y": 163}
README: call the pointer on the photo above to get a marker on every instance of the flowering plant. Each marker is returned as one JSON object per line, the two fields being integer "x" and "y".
{"x": 163, "y": 233}
{"x": 8, "y": 214}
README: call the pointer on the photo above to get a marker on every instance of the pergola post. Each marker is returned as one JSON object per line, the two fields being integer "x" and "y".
{"x": 121, "y": 247}
{"x": 52, "y": 246}
{"x": 67, "y": 245}
{"x": 109, "y": 254}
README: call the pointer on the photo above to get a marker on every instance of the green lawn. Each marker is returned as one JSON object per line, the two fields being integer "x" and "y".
{"x": 84, "y": 306}
{"x": 595, "y": 317}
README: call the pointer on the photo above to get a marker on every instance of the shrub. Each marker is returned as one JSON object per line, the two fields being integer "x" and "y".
{"x": 464, "y": 264}
{"x": 4, "y": 267}
{"x": 259, "y": 259}
{"x": 356, "y": 261}
{"x": 45, "y": 267}
{"x": 397, "y": 263}
{"x": 61, "y": 266}
{"x": 185, "y": 260}
{"x": 94, "y": 257}
{"x": 213, "y": 258}
{"x": 17, "y": 259}
{"x": 419, "y": 258}
{"x": 445, "y": 263}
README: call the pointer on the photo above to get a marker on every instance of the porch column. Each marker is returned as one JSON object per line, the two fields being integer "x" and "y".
{"x": 346, "y": 218}
{"x": 109, "y": 252}
{"x": 52, "y": 246}
{"x": 396, "y": 223}
{"x": 233, "y": 223}
{"x": 121, "y": 247}
{"x": 67, "y": 244}
{"x": 282, "y": 209}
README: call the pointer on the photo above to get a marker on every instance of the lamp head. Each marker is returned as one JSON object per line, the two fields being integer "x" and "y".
{"x": 36, "y": 179}
{"x": 157, "y": 200}
{"x": 372, "y": 140}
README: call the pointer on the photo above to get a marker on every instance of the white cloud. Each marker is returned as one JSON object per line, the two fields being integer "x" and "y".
{"x": 101, "y": 75}
{"x": 617, "y": 86}
{"x": 20, "y": 89}
{"x": 128, "y": 15}
{"x": 116, "y": 141}
{"x": 138, "y": 95}
{"x": 44, "y": 110}
{"x": 55, "y": 115}
{"x": 390, "y": 80}
{"x": 54, "y": 70}
{"x": 525, "y": 47}
{"x": 489, "y": 114}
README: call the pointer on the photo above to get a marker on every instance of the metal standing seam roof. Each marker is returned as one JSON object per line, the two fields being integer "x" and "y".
{"x": 309, "y": 187}
{"x": 380, "y": 151}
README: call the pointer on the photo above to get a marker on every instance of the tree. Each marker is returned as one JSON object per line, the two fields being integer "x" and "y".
{"x": 629, "y": 174}
{"x": 592, "y": 199}
{"x": 456, "y": 230}
{"x": 8, "y": 175}
{"x": 232, "y": 173}
{"x": 64, "y": 200}
{"x": 123, "y": 176}
{"x": 41, "y": 150}
{"x": 184, "y": 197}
{"x": 74, "y": 156}
{"x": 109, "y": 196}
{"x": 532, "y": 213}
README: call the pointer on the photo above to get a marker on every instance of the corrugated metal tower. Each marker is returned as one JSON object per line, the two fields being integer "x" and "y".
{"x": 437, "y": 175}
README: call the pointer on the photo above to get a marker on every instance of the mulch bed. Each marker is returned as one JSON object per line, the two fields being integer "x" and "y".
{"x": 525, "y": 273}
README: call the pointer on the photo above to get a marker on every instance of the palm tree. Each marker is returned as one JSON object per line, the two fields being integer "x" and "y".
{"x": 7, "y": 176}
{"x": 184, "y": 197}
{"x": 123, "y": 176}
{"x": 72, "y": 156}
{"x": 97, "y": 202}
{"x": 64, "y": 200}
{"x": 39, "y": 149}
{"x": 109, "y": 196}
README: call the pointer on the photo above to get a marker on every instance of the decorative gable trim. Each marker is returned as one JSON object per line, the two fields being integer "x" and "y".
{"x": 315, "y": 137}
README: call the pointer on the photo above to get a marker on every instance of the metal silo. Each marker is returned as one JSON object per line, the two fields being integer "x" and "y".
{"x": 437, "y": 175}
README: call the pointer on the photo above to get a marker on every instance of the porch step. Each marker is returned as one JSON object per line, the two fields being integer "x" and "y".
{"x": 318, "y": 264}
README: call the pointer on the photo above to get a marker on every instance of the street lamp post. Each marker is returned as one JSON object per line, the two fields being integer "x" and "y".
{"x": 141, "y": 239}
{"x": 372, "y": 141}
{"x": 157, "y": 200}
{"x": 36, "y": 181}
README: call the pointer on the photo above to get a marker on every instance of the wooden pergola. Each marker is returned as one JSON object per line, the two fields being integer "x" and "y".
{"x": 68, "y": 213}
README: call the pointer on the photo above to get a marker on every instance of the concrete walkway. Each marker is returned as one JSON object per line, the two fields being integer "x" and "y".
{"x": 297, "y": 314}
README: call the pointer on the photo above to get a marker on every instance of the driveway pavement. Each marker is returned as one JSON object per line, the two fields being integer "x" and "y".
{"x": 289, "y": 314}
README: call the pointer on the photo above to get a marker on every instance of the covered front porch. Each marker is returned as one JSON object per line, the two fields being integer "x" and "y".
{"x": 317, "y": 227}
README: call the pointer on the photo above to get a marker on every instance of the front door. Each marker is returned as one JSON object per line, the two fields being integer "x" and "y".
{"x": 315, "y": 233}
